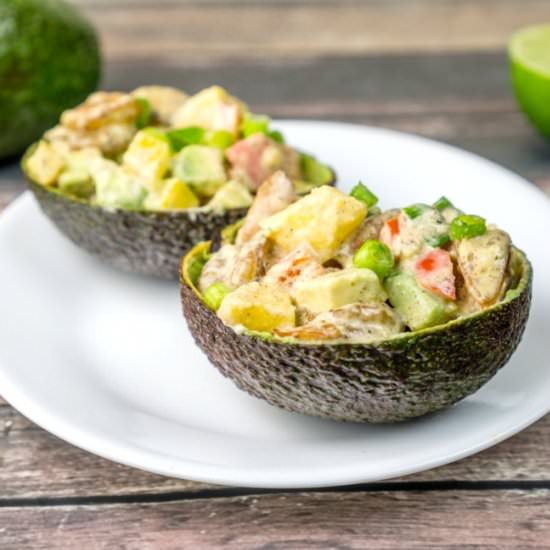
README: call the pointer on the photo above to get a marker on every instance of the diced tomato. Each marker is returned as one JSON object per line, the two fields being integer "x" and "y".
{"x": 389, "y": 234}
{"x": 245, "y": 157}
{"x": 434, "y": 272}
{"x": 393, "y": 226}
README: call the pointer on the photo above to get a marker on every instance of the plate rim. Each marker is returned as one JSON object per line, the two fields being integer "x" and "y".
{"x": 135, "y": 457}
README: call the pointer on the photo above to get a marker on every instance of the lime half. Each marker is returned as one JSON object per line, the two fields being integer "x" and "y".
{"x": 529, "y": 52}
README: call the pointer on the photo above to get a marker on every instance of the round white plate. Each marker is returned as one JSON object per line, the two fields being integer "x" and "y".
{"x": 104, "y": 360}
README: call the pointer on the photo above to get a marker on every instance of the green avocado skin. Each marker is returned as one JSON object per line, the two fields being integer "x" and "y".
{"x": 399, "y": 379}
{"x": 49, "y": 61}
{"x": 149, "y": 243}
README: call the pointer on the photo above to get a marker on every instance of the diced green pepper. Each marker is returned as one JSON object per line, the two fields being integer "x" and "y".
{"x": 442, "y": 203}
{"x": 439, "y": 241}
{"x": 144, "y": 117}
{"x": 376, "y": 256}
{"x": 254, "y": 124}
{"x": 362, "y": 193}
{"x": 214, "y": 295}
{"x": 219, "y": 138}
{"x": 467, "y": 226}
{"x": 315, "y": 172}
{"x": 181, "y": 137}
{"x": 415, "y": 210}
{"x": 276, "y": 136}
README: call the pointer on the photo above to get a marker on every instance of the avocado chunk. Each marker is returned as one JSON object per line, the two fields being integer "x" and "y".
{"x": 201, "y": 167}
{"x": 233, "y": 194}
{"x": 77, "y": 182}
{"x": 49, "y": 61}
{"x": 76, "y": 178}
{"x": 115, "y": 186}
{"x": 324, "y": 219}
{"x": 314, "y": 171}
{"x": 418, "y": 309}
{"x": 339, "y": 288}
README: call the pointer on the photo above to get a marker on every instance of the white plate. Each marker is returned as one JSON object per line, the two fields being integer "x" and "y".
{"x": 104, "y": 360}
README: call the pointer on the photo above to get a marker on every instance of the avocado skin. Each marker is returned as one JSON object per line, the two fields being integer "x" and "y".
{"x": 49, "y": 61}
{"x": 146, "y": 242}
{"x": 398, "y": 379}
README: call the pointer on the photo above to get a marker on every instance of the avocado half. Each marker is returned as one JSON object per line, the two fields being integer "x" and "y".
{"x": 407, "y": 376}
{"x": 139, "y": 241}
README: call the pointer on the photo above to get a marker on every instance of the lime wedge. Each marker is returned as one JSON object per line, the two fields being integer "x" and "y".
{"x": 529, "y": 53}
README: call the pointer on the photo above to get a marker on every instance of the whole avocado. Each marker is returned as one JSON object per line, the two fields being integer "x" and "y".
{"x": 49, "y": 61}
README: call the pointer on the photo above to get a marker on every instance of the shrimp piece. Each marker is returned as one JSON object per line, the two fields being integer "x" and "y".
{"x": 219, "y": 267}
{"x": 100, "y": 109}
{"x": 299, "y": 265}
{"x": 257, "y": 157}
{"x": 106, "y": 121}
{"x": 274, "y": 195}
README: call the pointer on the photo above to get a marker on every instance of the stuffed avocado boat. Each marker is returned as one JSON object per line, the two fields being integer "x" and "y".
{"x": 326, "y": 305}
{"x": 138, "y": 178}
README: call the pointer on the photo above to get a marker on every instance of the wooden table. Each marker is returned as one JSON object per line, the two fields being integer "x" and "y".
{"x": 433, "y": 67}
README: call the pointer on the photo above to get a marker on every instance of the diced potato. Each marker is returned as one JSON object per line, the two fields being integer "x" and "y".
{"x": 483, "y": 262}
{"x": 173, "y": 195}
{"x": 258, "y": 307}
{"x": 324, "y": 219}
{"x": 213, "y": 109}
{"x": 231, "y": 195}
{"x": 339, "y": 288}
{"x": 44, "y": 165}
{"x": 164, "y": 101}
{"x": 148, "y": 155}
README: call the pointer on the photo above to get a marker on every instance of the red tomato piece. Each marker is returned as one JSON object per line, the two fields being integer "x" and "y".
{"x": 434, "y": 272}
{"x": 389, "y": 234}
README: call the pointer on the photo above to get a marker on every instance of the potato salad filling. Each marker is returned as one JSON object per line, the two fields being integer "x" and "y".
{"x": 334, "y": 267}
{"x": 157, "y": 148}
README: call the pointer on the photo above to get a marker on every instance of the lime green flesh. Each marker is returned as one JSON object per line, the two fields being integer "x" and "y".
{"x": 529, "y": 51}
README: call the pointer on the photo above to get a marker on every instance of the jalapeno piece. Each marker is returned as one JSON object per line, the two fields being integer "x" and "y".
{"x": 362, "y": 193}
{"x": 467, "y": 226}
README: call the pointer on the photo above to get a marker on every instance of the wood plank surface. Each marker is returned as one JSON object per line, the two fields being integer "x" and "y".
{"x": 461, "y": 98}
{"x": 192, "y": 30}
{"x": 338, "y": 520}
{"x": 35, "y": 464}
{"x": 432, "y": 67}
